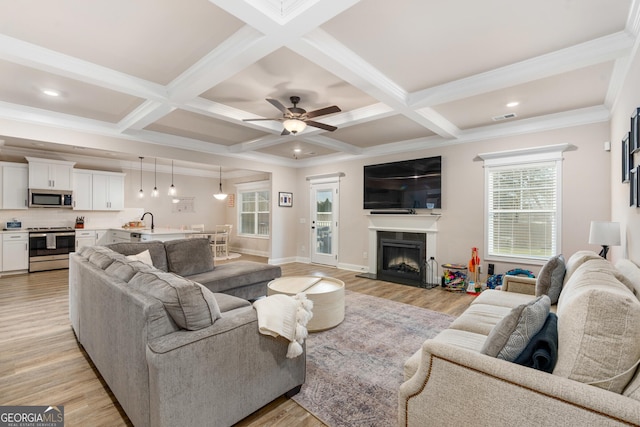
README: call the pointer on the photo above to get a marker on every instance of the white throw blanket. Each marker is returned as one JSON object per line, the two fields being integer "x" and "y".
{"x": 285, "y": 316}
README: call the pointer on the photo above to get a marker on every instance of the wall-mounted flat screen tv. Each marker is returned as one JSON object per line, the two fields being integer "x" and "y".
{"x": 409, "y": 184}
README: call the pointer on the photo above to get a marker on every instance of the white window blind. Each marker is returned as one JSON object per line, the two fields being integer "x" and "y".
{"x": 254, "y": 216}
{"x": 254, "y": 213}
{"x": 522, "y": 210}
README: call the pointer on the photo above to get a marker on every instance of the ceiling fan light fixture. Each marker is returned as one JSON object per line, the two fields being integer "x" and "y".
{"x": 294, "y": 125}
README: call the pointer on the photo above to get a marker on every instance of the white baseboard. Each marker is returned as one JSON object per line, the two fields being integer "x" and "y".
{"x": 354, "y": 267}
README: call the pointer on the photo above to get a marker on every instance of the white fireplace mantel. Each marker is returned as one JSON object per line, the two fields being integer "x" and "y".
{"x": 409, "y": 223}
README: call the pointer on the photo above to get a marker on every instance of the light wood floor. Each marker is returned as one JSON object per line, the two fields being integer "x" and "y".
{"x": 42, "y": 364}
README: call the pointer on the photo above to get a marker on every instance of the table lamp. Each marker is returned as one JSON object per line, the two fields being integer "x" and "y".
{"x": 605, "y": 234}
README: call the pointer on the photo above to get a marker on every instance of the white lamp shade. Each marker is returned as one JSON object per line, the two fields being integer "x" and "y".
{"x": 604, "y": 233}
{"x": 220, "y": 196}
{"x": 294, "y": 125}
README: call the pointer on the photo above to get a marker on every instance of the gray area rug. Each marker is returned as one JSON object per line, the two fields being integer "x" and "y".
{"x": 354, "y": 370}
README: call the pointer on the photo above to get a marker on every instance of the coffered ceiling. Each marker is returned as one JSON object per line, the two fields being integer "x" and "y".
{"x": 410, "y": 74}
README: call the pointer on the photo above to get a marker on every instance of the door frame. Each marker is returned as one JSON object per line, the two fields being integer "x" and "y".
{"x": 333, "y": 183}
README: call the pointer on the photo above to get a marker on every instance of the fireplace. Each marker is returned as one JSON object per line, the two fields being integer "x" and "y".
{"x": 401, "y": 257}
{"x": 423, "y": 225}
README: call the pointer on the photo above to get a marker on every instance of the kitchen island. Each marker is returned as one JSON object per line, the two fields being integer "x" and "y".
{"x": 147, "y": 234}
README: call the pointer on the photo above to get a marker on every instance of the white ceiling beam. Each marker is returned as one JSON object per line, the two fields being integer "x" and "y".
{"x": 332, "y": 144}
{"x": 258, "y": 143}
{"x": 623, "y": 65}
{"x": 145, "y": 114}
{"x": 593, "y": 52}
{"x": 323, "y": 49}
{"x": 49, "y": 61}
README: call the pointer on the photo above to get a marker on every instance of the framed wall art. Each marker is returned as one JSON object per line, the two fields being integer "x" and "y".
{"x": 634, "y": 138}
{"x": 285, "y": 199}
{"x": 627, "y": 158}
{"x": 633, "y": 187}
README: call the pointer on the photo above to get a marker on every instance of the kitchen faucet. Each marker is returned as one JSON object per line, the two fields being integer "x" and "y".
{"x": 144, "y": 214}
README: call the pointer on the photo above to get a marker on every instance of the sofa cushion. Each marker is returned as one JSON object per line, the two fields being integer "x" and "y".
{"x": 126, "y": 269}
{"x": 156, "y": 249}
{"x": 191, "y": 305}
{"x": 237, "y": 274}
{"x": 576, "y": 260}
{"x": 502, "y": 298}
{"x": 189, "y": 256}
{"x": 229, "y": 302}
{"x": 480, "y": 318}
{"x": 512, "y": 334}
{"x": 598, "y": 335}
{"x": 100, "y": 259}
{"x": 632, "y": 389}
{"x": 143, "y": 256}
{"x": 632, "y": 273}
{"x": 594, "y": 273}
{"x": 550, "y": 278}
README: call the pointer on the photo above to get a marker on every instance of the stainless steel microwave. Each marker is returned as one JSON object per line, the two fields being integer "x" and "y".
{"x": 50, "y": 199}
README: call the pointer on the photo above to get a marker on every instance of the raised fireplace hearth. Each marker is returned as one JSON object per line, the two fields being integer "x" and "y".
{"x": 401, "y": 257}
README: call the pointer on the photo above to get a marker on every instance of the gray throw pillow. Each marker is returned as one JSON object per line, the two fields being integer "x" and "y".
{"x": 190, "y": 305}
{"x": 511, "y": 335}
{"x": 551, "y": 277}
{"x": 189, "y": 256}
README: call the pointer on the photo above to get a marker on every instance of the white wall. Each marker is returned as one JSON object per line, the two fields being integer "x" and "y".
{"x": 586, "y": 184}
{"x": 629, "y": 217}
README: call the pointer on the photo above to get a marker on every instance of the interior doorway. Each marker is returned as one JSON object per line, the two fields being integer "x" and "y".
{"x": 324, "y": 222}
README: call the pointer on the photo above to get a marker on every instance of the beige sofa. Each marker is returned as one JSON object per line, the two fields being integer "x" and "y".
{"x": 450, "y": 382}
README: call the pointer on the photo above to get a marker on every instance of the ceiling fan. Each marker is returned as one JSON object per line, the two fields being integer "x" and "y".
{"x": 296, "y": 119}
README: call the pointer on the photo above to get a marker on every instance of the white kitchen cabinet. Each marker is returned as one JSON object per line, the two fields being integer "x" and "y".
{"x": 15, "y": 181}
{"x": 102, "y": 237}
{"x": 82, "y": 190}
{"x": 15, "y": 251}
{"x": 119, "y": 236}
{"x": 85, "y": 238}
{"x": 49, "y": 174}
{"x": 108, "y": 191}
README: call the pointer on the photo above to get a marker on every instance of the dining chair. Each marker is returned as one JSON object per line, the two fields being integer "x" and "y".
{"x": 220, "y": 240}
{"x": 199, "y": 228}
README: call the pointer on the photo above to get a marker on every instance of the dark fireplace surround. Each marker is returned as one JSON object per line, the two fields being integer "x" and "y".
{"x": 401, "y": 257}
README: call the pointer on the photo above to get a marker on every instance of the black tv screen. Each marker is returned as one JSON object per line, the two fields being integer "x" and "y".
{"x": 409, "y": 184}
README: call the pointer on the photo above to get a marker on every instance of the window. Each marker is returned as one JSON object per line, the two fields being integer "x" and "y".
{"x": 523, "y": 204}
{"x": 254, "y": 215}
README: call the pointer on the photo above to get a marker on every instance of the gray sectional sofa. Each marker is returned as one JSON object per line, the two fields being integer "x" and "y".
{"x": 172, "y": 351}
{"x": 190, "y": 258}
{"x": 594, "y": 379}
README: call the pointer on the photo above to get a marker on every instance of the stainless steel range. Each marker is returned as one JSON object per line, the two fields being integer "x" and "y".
{"x": 49, "y": 247}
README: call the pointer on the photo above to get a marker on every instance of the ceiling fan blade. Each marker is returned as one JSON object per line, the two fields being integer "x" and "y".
{"x": 285, "y": 132}
{"x": 323, "y": 111}
{"x": 278, "y": 105}
{"x": 320, "y": 125}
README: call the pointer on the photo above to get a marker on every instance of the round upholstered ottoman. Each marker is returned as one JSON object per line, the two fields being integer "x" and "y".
{"x": 326, "y": 293}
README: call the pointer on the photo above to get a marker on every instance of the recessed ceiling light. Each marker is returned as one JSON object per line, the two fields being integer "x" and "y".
{"x": 51, "y": 92}
{"x": 296, "y": 150}
{"x": 513, "y": 104}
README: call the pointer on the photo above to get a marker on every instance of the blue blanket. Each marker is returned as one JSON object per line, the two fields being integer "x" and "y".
{"x": 542, "y": 351}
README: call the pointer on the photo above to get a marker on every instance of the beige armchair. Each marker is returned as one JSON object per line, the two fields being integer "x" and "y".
{"x": 519, "y": 284}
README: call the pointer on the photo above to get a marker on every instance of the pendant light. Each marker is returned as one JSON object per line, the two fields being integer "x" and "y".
{"x": 141, "y": 193}
{"x": 172, "y": 189}
{"x": 154, "y": 193}
{"x": 220, "y": 195}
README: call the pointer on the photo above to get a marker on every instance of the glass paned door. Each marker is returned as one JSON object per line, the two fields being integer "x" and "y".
{"x": 324, "y": 223}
